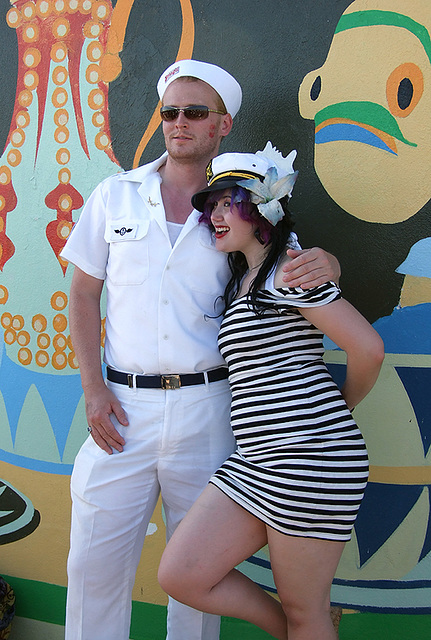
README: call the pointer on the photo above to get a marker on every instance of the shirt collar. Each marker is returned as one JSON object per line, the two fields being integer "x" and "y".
{"x": 140, "y": 173}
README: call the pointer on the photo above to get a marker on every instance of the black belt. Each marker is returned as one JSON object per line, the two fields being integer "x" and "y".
{"x": 174, "y": 381}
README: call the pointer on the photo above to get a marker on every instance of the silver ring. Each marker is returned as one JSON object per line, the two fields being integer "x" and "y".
{"x": 89, "y": 429}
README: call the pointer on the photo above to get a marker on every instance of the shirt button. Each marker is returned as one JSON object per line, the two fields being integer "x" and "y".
{"x": 165, "y": 301}
{"x": 165, "y": 337}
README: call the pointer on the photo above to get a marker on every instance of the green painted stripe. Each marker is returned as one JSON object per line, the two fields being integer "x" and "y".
{"x": 374, "y": 17}
{"x": 363, "y": 112}
{"x": 384, "y": 626}
{"x": 38, "y": 600}
{"x": 46, "y": 602}
{"x": 148, "y": 621}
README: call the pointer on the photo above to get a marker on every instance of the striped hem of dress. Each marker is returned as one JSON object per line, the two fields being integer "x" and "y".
{"x": 291, "y": 530}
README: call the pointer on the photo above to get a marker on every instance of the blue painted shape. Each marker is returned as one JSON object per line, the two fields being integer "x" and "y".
{"x": 15, "y": 382}
{"x": 263, "y": 577}
{"x": 261, "y": 562}
{"x": 418, "y": 261}
{"x": 427, "y": 542}
{"x": 338, "y": 373}
{"x": 383, "y": 509}
{"x": 417, "y": 383}
{"x": 406, "y": 330}
{"x": 386, "y": 584}
{"x": 43, "y": 466}
{"x": 60, "y": 395}
{"x": 383, "y": 596}
{"x": 345, "y": 131}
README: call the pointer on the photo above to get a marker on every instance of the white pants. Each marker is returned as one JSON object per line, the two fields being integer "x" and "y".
{"x": 174, "y": 441}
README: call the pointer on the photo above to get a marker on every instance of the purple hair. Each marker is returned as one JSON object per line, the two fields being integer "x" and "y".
{"x": 247, "y": 211}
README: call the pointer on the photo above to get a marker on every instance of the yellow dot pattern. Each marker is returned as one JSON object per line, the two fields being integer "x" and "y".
{"x": 47, "y": 339}
{"x": 4, "y": 294}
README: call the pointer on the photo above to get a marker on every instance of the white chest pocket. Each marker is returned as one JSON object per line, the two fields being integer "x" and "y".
{"x": 128, "y": 262}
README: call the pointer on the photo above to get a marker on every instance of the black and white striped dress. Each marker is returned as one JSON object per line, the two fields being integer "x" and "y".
{"x": 301, "y": 465}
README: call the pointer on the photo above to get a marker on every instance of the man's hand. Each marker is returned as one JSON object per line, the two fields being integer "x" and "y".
{"x": 100, "y": 404}
{"x": 310, "y": 268}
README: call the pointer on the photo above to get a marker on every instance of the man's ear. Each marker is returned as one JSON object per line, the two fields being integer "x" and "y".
{"x": 226, "y": 125}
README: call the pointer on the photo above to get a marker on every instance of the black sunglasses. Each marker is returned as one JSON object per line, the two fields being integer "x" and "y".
{"x": 194, "y": 112}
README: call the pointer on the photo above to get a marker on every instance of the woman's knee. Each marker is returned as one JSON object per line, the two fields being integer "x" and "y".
{"x": 182, "y": 580}
{"x": 299, "y": 612}
{"x": 169, "y": 576}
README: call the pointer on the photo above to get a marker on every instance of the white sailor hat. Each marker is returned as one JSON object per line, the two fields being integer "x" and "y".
{"x": 220, "y": 80}
{"x": 267, "y": 174}
{"x": 226, "y": 170}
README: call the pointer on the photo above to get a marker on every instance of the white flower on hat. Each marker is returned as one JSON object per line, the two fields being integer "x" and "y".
{"x": 283, "y": 164}
{"x": 266, "y": 194}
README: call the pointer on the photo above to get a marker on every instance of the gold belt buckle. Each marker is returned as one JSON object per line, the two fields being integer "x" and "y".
{"x": 171, "y": 382}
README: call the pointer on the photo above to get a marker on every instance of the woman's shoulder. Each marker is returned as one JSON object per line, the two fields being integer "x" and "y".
{"x": 317, "y": 296}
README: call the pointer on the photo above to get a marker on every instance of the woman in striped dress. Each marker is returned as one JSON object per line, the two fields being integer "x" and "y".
{"x": 297, "y": 477}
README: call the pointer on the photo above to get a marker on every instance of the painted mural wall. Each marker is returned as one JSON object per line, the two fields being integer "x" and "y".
{"x": 347, "y": 84}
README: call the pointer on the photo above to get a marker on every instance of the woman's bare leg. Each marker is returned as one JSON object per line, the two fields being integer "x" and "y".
{"x": 197, "y": 565}
{"x": 303, "y": 570}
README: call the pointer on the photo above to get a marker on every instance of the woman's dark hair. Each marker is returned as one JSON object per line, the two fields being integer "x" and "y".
{"x": 275, "y": 237}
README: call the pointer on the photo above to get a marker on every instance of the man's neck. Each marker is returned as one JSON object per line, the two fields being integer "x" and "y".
{"x": 179, "y": 182}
